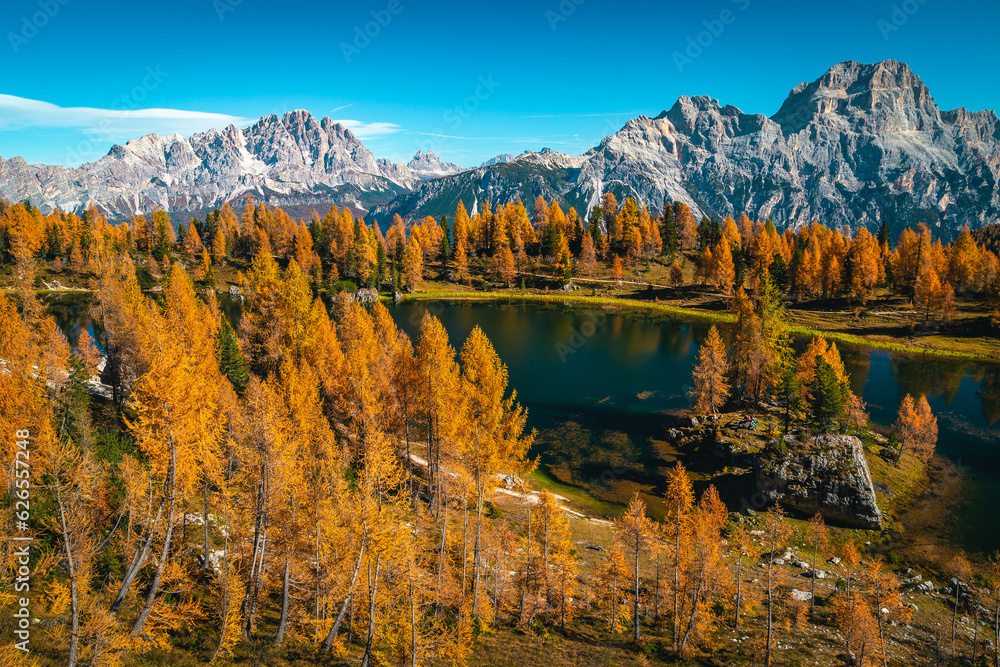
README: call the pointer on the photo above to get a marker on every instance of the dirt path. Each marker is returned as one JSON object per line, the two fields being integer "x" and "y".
{"x": 532, "y": 497}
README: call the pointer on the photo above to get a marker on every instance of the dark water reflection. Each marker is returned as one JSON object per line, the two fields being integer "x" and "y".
{"x": 585, "y": 390}
{"x": 598, "y": 385}
{"x": 72, "y": 315}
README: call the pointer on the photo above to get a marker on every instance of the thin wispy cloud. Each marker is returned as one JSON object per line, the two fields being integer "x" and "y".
{"x": 341, "y": 107}
{"x": 18, "y": 113}
{"x": 447, "y": 136}
{"x": 365, "y": 130}
{"x": 585, "y": 115}
{"x": 553, "y": 140}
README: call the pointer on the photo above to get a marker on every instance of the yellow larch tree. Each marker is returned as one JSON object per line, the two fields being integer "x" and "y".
{"x": 776, "y": 533}
{"x": 635, "y": 531}
{"x": 495, "y": 442}
{"x": 704, "y": 568}
{"x": 413, "y": 264}
{"x": 679, "y": 499}
{"x": 724, "y": 271}
{"x": 711, "y": 388}
{"x": 609, "y": 579}
{"x": 916, "y": 428}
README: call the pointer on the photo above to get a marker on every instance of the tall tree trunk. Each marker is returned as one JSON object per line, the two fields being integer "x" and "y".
{"x": 636, "y": 623}
{"x": 227, "y": 601}
{"x": 279, "y": 636}
{"x": 331, "y": 637}
{"x": 465, "y": 545}
{"x": 438, "y": 606}
{"x": 442, "y": 495}
{"x": 527, "y": 568}
{"x": 478, "y": 550}
{"x": 372, "y": 595}
{"x": 207, "y": 564}
{"x": 140, "y": 555}
{"x": 739, "y": 587}
{"x": 694, "y": 610}
{"x": 154, "y": 587}
{"x": 74, "y": 601}
{"x": 677, "y": 578}
{"x": 259, "y": 550}
{"x": 770, "y": 609}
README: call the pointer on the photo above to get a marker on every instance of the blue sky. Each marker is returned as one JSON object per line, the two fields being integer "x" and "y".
{"x": 468, "y": 80}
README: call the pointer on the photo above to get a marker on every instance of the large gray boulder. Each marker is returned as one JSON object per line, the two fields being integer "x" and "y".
{"x": 827, "y": 474}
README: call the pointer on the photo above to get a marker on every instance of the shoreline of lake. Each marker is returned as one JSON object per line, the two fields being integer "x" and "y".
{"x": 617, "y": 385}
{"x": 661, "y": 308}
{"x": 696, "y": 314}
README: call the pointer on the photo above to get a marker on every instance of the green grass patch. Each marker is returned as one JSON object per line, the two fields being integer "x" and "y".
{"x": 900, "y": 348}
{"x": 628, "y": 304}
{"x": 690, "y": 313}
{"x": 575, "y": 495}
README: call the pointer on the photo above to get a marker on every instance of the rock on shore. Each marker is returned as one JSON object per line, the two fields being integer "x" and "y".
{"x": 827, "y": 474}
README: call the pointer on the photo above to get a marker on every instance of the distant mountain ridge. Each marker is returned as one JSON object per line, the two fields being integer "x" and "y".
{"x": 292, "y": 160}
{"x": 426, "y": 166}
{"x": 861, "y": 144}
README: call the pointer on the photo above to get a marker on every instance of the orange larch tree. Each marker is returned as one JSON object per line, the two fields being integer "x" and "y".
{"x": 711, "y": 388}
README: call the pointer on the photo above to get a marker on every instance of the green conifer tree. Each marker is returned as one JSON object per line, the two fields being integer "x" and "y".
{"x": 232, "y": 363}
{"x": 827, "y": 396}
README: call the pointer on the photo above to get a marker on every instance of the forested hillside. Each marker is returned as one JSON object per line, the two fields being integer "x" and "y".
{"x": 316, "y": 487}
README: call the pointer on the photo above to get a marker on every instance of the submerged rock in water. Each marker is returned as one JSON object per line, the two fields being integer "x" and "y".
{"x": 829, "y": 475}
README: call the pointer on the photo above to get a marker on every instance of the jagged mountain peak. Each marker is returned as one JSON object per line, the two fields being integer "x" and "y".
{"x": 885, "y": 96}
{"x": 428, "y": 165}
{"x": 859, "y": 145}
{"x": 498, "y": 159}
{"x": 547, "y": 157}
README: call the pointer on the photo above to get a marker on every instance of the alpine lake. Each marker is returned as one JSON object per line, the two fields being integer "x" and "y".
{"x": 603, "y": 387}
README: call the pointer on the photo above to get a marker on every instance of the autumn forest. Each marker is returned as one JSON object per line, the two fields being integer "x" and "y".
{"x": 311, "y": 485}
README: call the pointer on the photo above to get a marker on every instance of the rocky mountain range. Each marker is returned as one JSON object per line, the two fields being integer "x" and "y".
{"x": 293, "y": 160}
{"x": 426, "y": 166}
{"x": 861, "y": 144}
